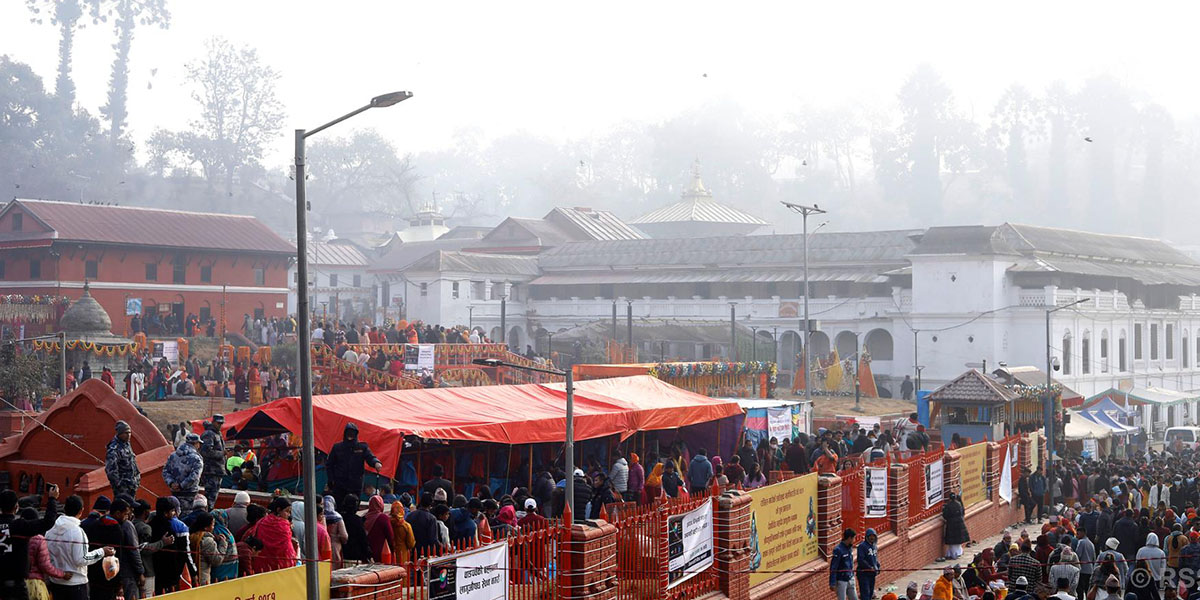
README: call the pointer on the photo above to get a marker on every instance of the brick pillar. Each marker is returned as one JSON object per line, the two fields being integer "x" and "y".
{"x": 352, "y": 582}
{"x": 587, "y": 557}
{"x": 829, "y": 513}
{"x": 995, "y": 456}
{"x": 898, "y": 497}
{"x": 1023, "y": 448}
{"x": 951, "y": 482}
{"x": 732, "y": 531}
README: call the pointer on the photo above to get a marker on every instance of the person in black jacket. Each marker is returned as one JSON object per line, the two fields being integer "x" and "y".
{"x": 356, "y": 546}
{"x": 797, "y": 459}
{"x": 439, "y": 481}
{"x": 346, "y": 463}
{"x": 14, "y": 554}
{"x": 954, "y": 533}
{"x": 1025, "y": 494}
{"x": 1127, "y": 532}
{"x": 424, "y": 526}
{"x": 103, "y": 532}
{"x": 1104, "y": 523}
{"x": 583, "y": 495}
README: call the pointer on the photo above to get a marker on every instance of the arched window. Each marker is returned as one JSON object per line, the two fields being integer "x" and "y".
{"x": 1066, "y": 353}
{"x": 1122, "y": 353}
{"x": 1183, "y": 351}
{"x": 1104, "y": 351}
{"x": 1085, "y": 356}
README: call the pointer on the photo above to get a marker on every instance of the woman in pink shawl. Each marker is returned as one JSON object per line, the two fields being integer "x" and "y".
{"x": 379, "y": 529}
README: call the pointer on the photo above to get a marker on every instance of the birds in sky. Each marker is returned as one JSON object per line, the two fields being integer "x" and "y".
{"x": 1088, "y": 139}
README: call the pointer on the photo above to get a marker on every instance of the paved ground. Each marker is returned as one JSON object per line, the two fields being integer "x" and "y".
{"x": 934, "y": 570}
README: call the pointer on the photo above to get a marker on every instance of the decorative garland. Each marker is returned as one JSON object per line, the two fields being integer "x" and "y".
{"x": 109, "y": 350}
{"x": 696, "y": 369}
{"x": 1036, "y": 392}
{"x": 36, "y": 299}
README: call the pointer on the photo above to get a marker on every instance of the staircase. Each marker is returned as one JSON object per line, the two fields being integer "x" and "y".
{"x": 336, "y": 376}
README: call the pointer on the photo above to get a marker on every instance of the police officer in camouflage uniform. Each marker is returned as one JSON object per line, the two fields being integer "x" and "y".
{"x": 212, "y": 449}
{"x": 120, "y": 463}
{"x": 183, "y": 468}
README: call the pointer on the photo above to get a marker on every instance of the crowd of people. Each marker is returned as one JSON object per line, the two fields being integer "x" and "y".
{"x": 1108, "y": 529}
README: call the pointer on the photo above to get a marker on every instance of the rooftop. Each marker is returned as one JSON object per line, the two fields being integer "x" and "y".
{"x": 127, "y": 225}
{"x": 697, "y": 205}
{"x": 883, "y": 248}
{"x": 442, "y": 261}
{"x": 339, "y": 253}
{"x": 1054, "y": 250}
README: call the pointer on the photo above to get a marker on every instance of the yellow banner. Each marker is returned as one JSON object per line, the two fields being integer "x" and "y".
{"x": 783, "y": 527}
{"x": 972, "y": 472}
{"x": 285, "y": 584}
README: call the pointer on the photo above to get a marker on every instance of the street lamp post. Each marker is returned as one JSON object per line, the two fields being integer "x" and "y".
{"x": 804, "y": 212}
{"x": 1048, "y": 403}
{"x": 569, "y": 449}
{"x": 753, "y": 343}
{"x": 470, "y": 319}
{"x": 308, "y": 452}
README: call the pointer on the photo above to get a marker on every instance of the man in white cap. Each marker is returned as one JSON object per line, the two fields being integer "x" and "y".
{"x": 1020, "y": 590}
{"x": 1111, "y": 553}
{"x": 913, "y": 591}
{"x": 583, "y": 495}
{"x": 532, "y": 520}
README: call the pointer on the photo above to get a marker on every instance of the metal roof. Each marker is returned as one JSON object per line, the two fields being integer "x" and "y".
{"x": 697, "y": 205}
{"x": 135, "y": 226}
{"x": 443, "y": 261}
{"x": 1148, "y": 395}
{"x": 543, "y": 232}
{"x": 857, "y": 249}
{"x": 399, "y": 255}
{"x": 1032, "y": 377}
{"x": 1052, "y": 250}
{"x": 339, "y": 253}
{"x": 860, "y": 275}
{"x": 595, "y": 224}
{"x": 698, "y": 210}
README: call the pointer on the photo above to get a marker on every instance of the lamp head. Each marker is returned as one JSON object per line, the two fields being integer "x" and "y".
{"x": 387, "y": 100}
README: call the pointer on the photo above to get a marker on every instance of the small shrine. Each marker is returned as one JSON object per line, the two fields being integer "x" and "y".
{"x": 89, "y": 338}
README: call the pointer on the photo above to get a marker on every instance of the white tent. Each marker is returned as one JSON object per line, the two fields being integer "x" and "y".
{"x": 1081, "y": 428}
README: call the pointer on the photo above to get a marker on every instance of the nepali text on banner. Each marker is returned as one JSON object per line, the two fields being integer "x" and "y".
{"x": 972, "y": 471}
{"x": 783, "y": 527}
{"x": 480, "y": 574}
{"x": 875, "y": 496}
{"x": 689, "y": 544}
{"x": 283, "y": 584}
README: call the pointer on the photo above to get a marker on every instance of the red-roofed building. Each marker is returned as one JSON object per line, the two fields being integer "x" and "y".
{"x": 162, "y": 262}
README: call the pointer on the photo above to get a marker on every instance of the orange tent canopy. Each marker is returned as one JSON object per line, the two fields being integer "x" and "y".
{"x": 503, "y": 414}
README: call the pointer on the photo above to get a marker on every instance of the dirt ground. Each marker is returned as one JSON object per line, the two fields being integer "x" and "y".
{"x": 831, "y": 406}
{"x": 173, "y": 411}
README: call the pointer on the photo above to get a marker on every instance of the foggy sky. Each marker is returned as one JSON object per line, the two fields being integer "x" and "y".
{"x": 564, "y": 69}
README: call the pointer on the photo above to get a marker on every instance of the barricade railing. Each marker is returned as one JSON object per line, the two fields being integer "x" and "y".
{"x": 533, "y": 560}
{"x": 640, "y": 565}
{"x": 917, "y": 476}
{"x": 701, "y": 583}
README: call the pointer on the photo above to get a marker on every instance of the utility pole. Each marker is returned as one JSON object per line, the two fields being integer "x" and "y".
{"x": 629, "y": 325}
{"x": 804, "y": 212}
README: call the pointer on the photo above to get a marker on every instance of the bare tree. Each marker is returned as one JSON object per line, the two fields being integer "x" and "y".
{"x": 239, "y": 111}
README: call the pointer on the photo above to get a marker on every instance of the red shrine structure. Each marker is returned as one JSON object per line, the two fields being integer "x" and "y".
{"x": 65, "y": 445}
